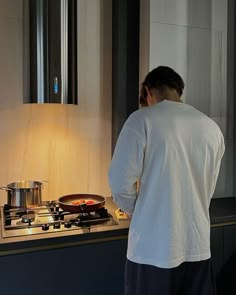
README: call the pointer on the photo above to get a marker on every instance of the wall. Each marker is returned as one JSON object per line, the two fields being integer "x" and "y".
{"x": 191, "y": 36}
{"x": 69, "y": 146}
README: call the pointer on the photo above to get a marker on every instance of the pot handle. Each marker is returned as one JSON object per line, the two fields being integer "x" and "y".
{"x": 43, "y": 181}
{"x": 6, "y": 188}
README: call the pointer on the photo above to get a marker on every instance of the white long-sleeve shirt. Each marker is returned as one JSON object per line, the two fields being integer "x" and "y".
{"x": 175, "y": 151}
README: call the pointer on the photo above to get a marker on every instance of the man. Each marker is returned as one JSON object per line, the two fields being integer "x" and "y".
{"x": 174, "y": 151}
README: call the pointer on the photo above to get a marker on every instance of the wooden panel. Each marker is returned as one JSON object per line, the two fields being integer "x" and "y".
{"x": 66, "y": 145}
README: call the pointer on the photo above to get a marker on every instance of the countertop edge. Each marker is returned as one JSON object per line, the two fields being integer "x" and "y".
{"x": 222, "y": 212}
{"x": 62, "y": 245}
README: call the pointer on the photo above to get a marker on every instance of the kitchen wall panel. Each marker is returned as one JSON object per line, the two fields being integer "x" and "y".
{"x": 181, "y": 12}
{"x": 11, "y": 83}
{"x": 192, "y": 37}
{"x": 168, "y": 46}
{"x": 198, "y": 78}
{"x": 11, "y": 9}
{"x": 67, "y": 145}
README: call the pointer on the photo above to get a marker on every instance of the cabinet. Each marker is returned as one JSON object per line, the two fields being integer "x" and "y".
{"x": 226, "y": 278}
{"x": 98, "y": 268}
{"x": 88, "y": 269}
{"x": 217, "y": 243}
{"x": 223, "y": 248}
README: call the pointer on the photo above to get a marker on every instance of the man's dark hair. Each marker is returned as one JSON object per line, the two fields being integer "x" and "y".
{"x": 161, "y": 78}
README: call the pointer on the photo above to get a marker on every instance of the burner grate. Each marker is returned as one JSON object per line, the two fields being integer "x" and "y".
{"x": 48, "y": 217}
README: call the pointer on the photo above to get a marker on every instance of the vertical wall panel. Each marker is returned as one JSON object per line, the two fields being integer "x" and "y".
{"x": 193, "y": 37}
{"x": 125, "y": 62}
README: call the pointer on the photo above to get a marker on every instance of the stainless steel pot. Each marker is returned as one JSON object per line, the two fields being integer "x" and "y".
{"x": 24, "y": 193}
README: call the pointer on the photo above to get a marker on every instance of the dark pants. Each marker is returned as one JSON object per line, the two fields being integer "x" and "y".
{"x": 189, "y": 278}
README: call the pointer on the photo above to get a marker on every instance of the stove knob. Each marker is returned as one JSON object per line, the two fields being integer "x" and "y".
{"x": 57, "y": 225}
{"x": 45, "y": 226}
{"x": 78, "y": 222}
{"x": 56, "y": 217}
{"x": 51, "y": 209}
{"x": 61, "y": 215}
{"x": 67, "y": 224}
{"x": 104, "y": 213}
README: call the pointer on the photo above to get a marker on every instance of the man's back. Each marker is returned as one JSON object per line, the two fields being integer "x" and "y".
{"x": 182, "y": 149}
{"x": 174, "y": 151}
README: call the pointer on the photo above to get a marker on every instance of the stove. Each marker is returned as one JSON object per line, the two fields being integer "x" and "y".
{"x": 48, "y": 217}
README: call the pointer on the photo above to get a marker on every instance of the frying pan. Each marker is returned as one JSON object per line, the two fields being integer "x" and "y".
{"x": 65, "y": 203}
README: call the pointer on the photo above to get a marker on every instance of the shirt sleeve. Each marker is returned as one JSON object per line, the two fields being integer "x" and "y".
{"x": 218, "y": 165}
{"x": 126, "y": 167}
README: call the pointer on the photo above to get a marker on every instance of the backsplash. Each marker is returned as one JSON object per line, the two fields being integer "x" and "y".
{"x": 68, "y": 146}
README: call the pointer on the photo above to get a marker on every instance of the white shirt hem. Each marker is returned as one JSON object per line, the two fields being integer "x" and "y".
{"x": 172, "y": 263}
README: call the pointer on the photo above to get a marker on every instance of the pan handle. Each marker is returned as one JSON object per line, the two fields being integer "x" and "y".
{"x": 83, "y": 206}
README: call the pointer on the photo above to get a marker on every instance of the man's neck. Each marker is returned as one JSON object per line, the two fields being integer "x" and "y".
{"x": 171, "y": 95}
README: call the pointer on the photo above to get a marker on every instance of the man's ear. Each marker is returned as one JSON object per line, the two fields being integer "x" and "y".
{"x": 148, "y": 91}
{"x": 150, "y": 98}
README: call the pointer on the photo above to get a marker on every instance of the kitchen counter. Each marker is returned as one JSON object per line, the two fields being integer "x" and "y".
{"x": 68, "y": 261}
{"x": 61, "y": 239}
{"x": 222, "y": 212}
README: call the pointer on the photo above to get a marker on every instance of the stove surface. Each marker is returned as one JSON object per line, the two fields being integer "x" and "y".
{"x": 49, "y": 218}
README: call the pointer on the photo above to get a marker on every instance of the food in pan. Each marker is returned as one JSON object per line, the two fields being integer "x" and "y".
{"x": 82, "y": 201}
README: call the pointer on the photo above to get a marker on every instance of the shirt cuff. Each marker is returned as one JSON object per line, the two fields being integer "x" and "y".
{"x": 125, "y": 203}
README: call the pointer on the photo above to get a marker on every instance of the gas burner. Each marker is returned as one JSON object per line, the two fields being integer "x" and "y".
{"x": 24, "y": 212}
{"x": 28, "y": 218}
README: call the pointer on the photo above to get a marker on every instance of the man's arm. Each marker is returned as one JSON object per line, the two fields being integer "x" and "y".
{"x": 126, "y": 168}
{"x": 217, "y": 169}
